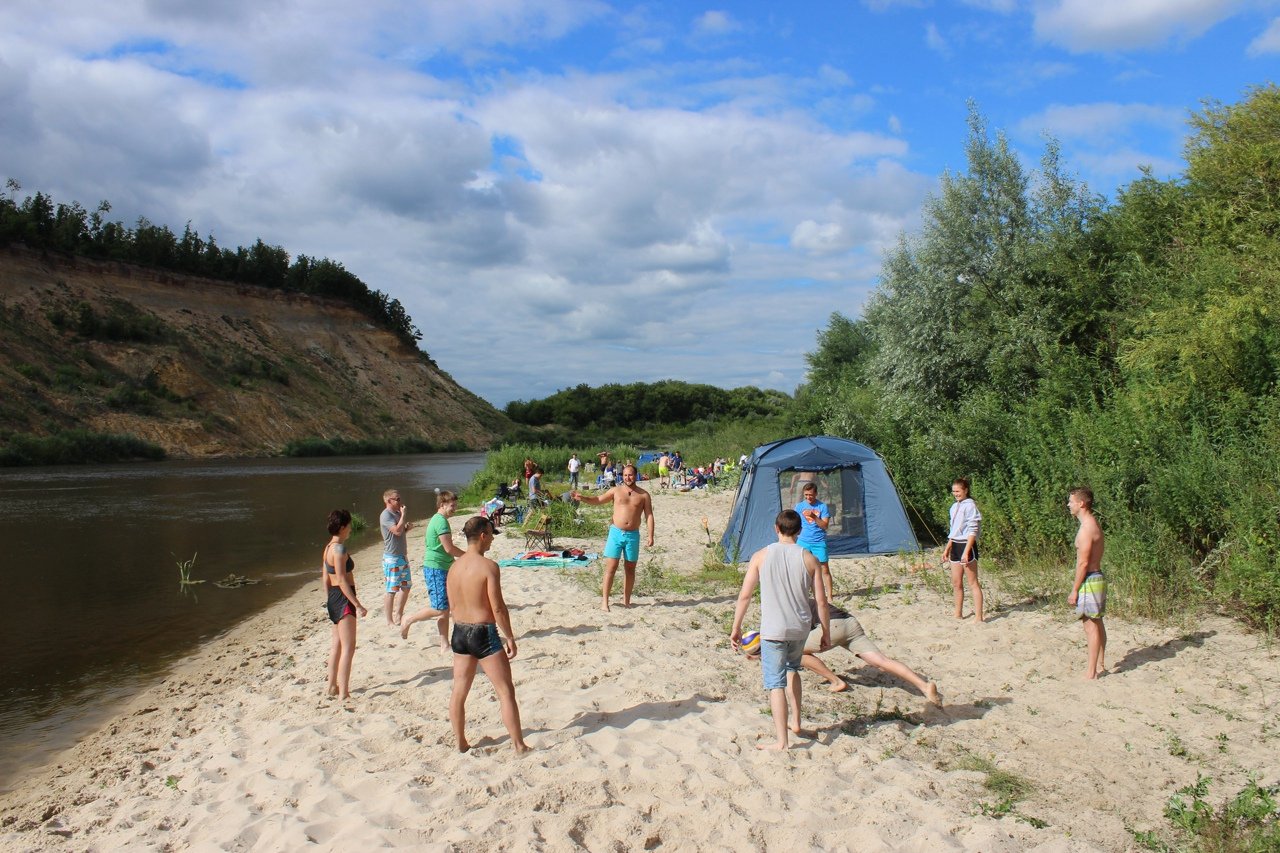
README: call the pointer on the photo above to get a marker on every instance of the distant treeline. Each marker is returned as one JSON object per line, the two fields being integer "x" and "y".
{"x": 369, "y": 447}
{"x": 39, "y": 223}
{"x": 640, "y": 404}
{"x": 1035, "y": 337}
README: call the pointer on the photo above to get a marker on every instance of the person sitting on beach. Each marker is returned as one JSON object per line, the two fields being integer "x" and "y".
{"x": 436, "y": 560}
{"x": 697, "y": 480}
{"x": 336, "y": 574}
{"x": 630, "y": 504}
{"x": 1089, "y": 592}
{"x": 789, "y": 592}
{"x": 394, "y": 522}
{"x": 846, "y": 632}
{"x": 481, "y": 634}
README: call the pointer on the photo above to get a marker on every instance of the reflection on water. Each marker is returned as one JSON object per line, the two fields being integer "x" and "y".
{"x": 91, "y": 578}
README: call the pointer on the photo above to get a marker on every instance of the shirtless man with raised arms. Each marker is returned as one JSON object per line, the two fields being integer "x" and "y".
{"x": 481, "y": 633}
{"x": 630, "y": 503}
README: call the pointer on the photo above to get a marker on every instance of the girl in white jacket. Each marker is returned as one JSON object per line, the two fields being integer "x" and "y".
{"x": 962, "y": 547}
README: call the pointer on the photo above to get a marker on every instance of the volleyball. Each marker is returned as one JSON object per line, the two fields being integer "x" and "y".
{"x": 751, "y": 643}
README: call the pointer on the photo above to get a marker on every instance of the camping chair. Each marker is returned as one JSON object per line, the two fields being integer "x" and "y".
{"x": 540, "y": 533}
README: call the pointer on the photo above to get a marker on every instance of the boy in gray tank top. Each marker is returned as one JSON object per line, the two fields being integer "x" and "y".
{"x": 785, "y": 573}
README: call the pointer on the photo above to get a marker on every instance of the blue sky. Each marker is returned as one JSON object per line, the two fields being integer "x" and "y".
{"x": 584, "y": 191}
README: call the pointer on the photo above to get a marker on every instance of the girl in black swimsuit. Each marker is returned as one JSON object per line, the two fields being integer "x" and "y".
{"x": 342, "y": 603}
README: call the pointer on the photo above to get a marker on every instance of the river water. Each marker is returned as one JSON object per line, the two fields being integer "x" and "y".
{"x": 93, "y": 608}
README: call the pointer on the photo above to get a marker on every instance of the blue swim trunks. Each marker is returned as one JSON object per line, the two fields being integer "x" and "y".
{"x": 396, "y": 572}
{"x": 817, "y": 549}
{"x": 625, "y": 543}
{"x": 436, "y": 592}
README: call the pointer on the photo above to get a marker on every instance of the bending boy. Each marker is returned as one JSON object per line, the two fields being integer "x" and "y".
{"x": 847, "y": 631}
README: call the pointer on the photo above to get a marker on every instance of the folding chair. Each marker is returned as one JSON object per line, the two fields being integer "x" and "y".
{"x": 539, "y": 533}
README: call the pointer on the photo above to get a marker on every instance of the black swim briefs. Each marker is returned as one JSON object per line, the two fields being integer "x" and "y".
{"x": 479, "y": 640}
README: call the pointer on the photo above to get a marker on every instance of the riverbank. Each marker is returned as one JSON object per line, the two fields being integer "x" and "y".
{"x": 644, "y": 726}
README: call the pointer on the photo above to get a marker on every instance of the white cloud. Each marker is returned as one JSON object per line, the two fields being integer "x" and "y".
{"x": 1267, "y": 42}
{"x": 1089, "y": 25}
{"x": 1003, "y": 6}
{"x": 1099, "y": 123}
{"x": 934, "y": 40}
{"x": 715, "y": 22}
{"x": 886, "y": 5}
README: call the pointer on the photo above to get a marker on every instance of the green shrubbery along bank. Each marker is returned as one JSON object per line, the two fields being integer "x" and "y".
{"x": 1034, "y": 337}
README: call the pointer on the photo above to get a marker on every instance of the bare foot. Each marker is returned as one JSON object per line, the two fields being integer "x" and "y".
{"x": 1091, "y": 676}
{"x": 332, "y": 691}
{"x": 445, "y": 650}
{"x": 931, "y": 693}
{"x": 404, "y": 629}
{"x": 463, "y": 746}
{"x": 772, "y": 747}
{"x": 521, "y": 748}
{"x": 605, "y": 605}
{"x": 807, "y": 734}
{"x": 838, "y": 686}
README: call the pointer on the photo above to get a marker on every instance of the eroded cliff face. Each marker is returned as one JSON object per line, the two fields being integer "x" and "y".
{"x": 205, "y": 368}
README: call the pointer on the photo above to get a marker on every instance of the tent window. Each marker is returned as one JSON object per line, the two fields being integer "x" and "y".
{"x": 841, "y": 490}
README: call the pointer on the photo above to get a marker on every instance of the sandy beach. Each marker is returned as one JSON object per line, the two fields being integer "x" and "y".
{"x": 644, "y": 723}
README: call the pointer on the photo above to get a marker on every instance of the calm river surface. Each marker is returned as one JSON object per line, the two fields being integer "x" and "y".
{"x": 94, "y": 610}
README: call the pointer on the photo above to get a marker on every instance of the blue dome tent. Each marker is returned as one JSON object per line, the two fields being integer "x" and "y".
{"x": 866, "y": 513}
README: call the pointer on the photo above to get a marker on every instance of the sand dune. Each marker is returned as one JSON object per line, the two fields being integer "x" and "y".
{"x": 644, "y": 726}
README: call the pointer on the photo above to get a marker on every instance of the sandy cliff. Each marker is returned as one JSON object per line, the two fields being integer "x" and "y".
{"x": 206, "y": 368}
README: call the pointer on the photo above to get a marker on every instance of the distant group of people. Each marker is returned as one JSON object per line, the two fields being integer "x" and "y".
{"x": 798, "y": 622}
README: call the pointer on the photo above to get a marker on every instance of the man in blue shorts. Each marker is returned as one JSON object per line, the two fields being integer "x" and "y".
{"x": 436, "y": 560}
{"x": 394, "y": 522}
{"x": 630, "y": 504}
{"x": 815, "y": 517}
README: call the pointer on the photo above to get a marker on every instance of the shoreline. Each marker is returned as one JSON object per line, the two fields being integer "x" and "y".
{"x": 644, "y": 725}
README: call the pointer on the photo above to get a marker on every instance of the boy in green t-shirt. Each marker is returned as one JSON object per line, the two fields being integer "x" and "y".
{"x": 435, "y": 569}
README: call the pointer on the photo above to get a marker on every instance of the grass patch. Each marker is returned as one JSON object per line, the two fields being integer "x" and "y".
{"x": 1008, "y": 788}
{"x": 1247, "y": 823}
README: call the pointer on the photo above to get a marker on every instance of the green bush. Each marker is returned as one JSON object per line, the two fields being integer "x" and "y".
{"x": 75, "y": 447}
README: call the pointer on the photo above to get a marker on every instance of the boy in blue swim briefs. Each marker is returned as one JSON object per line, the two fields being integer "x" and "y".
{"x": 815, "y": 518}
{"x": 630, "y": 504}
